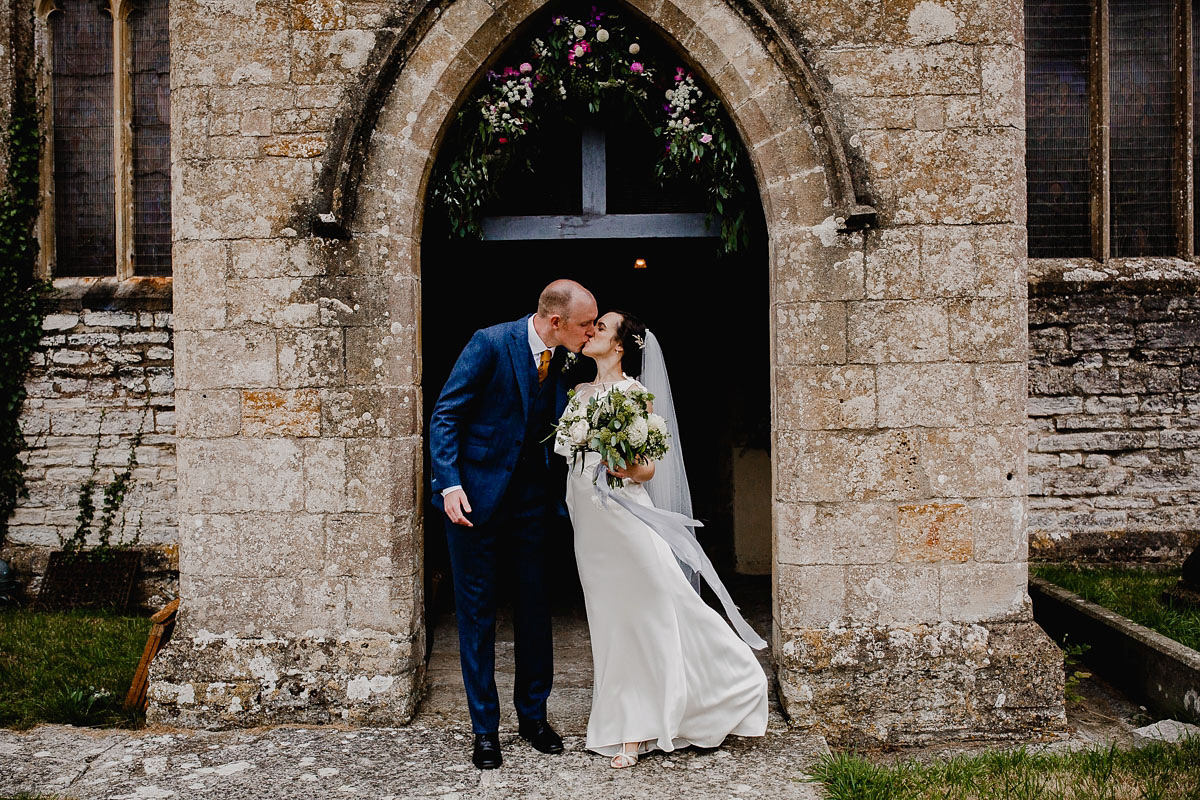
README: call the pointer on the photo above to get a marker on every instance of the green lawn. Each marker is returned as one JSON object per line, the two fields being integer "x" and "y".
{"x": 1157, "y": 772}
{"x": 71, "y": 667}
{"x": 1132, "y": 593}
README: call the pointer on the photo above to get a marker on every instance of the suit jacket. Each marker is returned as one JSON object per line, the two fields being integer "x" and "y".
{"x": 479, "y": 421}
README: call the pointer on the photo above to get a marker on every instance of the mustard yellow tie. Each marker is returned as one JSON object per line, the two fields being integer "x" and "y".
{"x": 544, "y": 366}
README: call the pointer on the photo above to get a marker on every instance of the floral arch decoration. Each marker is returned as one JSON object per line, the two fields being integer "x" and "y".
{"x": 572, "y": 68}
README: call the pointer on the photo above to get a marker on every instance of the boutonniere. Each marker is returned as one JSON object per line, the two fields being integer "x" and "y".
{"x": 571, "y": 360}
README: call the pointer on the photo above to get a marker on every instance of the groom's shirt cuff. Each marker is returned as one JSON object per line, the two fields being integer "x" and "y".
{"x": 450, "y": 489}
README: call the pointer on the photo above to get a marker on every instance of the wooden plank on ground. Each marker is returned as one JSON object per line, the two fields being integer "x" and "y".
{"x": 162, "y": 626}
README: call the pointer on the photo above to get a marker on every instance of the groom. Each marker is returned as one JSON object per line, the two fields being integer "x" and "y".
{"x": 501, "y": 493}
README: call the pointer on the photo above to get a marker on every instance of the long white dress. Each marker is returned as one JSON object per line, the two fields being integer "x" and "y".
{"x": 669, "y": 670}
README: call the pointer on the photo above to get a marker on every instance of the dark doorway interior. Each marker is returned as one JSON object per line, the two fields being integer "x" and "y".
{"x": 711, "y": 316}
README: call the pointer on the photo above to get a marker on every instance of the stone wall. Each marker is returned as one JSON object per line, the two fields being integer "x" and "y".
{"x": 1114, "y": 411}
{"x": 104, "y": 371}
{"x": 898, "y": 355}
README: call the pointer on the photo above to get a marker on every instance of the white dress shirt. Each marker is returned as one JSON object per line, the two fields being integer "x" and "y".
{"x": 536, "y": 348}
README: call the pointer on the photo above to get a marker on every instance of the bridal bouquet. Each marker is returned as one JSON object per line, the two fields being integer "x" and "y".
{"x": 618, "y": 425}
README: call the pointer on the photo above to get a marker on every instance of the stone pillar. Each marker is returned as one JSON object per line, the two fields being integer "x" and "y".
{"x": 900, "y": 484}
{"x": 298, "y": 397}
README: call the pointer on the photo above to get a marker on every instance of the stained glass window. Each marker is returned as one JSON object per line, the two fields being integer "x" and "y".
{"x": 151, "y": 139}
{"x": 1141, "y": 125}
{"x": 84, "y": 205}
{"x": 1056, "y": 130}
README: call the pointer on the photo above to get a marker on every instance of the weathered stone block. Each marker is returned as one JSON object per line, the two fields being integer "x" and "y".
{"x": 1000, "y": 393}
{"x": 819, "y": 265}
{"x": 810, "y": 333}
{"x": 934, "y": 532}
{"x": 930, "y": 395}
{"x": 893, "y": 264}
{"x": 972, "y": 169}
{"x": 210, "y": 413}
{"x": 240, "y": 474}
{"x": 939, "y": 69}
{"x": 809, "y": 596}
{"x": 272, "y": 258}
{"x": 837, "y": 533}
{"x": 890, "y": 594}
{"x": 311, "y": 357}
{"x": 279, "y": 302}
{"x": 271, "y": 412}
{"x": 237, "y": 199}
{"x": 826, "y": 397}
{"x": 975, "y": 462}
{"x": 987, "y": 330}
{"x": 330, "y": 56}
{"x": 889, "y": 331}
{"x": 369, "y": 412}
{"x": 976, "y": 592}
{"x": 221, "y": 359}
{"x": 1003, "y": 74}
{"x": 949, "y": 261}
{"x": 325, "y": 475}
{"x": 207, "y": 680}
{"x": 830, "y": 466}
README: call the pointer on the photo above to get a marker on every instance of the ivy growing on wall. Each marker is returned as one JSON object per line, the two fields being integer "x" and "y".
{"x": 23, "y": 298}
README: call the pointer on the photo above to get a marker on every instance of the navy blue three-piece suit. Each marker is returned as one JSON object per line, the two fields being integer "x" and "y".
{"x": 486, "y": 434}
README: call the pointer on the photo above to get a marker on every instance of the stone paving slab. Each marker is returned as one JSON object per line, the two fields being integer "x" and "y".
{"x": 416, "y": 761}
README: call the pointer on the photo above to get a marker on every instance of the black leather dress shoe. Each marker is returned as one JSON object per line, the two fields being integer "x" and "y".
{"x": 486, "y": 754}
{"x": 539, "y": 734}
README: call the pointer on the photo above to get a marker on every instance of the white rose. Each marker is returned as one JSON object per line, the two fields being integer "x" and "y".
{"x": 657, "y": 423}
{"x": 638, "y": 431}
{"x": 634, "y": 49}
{"x": 580, "y": 31}
{"x": 602, "y": 35}
{"x": 579, "y": 432}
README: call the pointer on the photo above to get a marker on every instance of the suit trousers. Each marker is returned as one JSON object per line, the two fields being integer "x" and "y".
{"x": 514, "y": 537}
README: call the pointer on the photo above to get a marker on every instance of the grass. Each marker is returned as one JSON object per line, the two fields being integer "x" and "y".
{"x": 73, "y": 668}
{"x": 1133, "y": 593}
{"x": 1156, "y": 772}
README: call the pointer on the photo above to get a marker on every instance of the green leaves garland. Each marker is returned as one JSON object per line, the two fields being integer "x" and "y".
{"x": 579, "y": 67}
{"x": 23, "y": 299}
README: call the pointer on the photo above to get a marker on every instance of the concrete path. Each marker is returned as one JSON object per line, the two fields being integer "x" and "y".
{"x": 429, "y": 758}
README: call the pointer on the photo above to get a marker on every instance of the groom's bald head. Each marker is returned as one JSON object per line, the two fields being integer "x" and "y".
{"x": 562, "y": 297}
{"x": 566, "y": 315}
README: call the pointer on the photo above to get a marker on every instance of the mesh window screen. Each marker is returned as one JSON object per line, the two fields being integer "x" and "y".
{"x": 85, "y": 225}
{"x": 151, "y": 139}
{"x": 1056, "y": 155}
{"x": 1141, "y": 124}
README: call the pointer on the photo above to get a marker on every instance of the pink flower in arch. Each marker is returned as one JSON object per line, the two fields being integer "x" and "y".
{"x": 636, "y": 67}
{"x": 706, "y": 138}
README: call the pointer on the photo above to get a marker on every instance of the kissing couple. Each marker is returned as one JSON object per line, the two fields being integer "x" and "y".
{"x": 669, "y": 671}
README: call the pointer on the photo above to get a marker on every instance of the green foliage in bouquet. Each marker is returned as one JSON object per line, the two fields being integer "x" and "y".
{"x": 619, "y": 426}
{"x": 576, "y": 68}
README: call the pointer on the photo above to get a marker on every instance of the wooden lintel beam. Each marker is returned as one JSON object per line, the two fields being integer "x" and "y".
{"x": 603, "y": 226}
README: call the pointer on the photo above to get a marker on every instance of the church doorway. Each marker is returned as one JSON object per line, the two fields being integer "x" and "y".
{"x": 711, "y": 314}
{"x": 588, "y": 206}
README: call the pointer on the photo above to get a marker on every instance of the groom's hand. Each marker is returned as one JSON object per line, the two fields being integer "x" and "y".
{"x": 457, "y": 508}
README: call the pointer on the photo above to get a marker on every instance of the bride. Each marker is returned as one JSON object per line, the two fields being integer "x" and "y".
{"x": 669, "y": 671}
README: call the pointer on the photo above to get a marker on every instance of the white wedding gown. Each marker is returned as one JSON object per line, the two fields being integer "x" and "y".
{"x": 669, "y": 670}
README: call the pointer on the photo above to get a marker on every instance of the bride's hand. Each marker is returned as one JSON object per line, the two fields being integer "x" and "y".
{"x": 638, "y": 473}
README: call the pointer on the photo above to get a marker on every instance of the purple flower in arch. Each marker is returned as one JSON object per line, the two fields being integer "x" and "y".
{"x": 679, "y": 73}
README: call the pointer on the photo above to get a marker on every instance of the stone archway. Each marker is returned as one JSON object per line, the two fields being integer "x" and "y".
{"x": 897, "y": 457}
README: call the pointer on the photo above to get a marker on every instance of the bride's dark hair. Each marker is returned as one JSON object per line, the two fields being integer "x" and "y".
{"x": 631, "y": 333}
